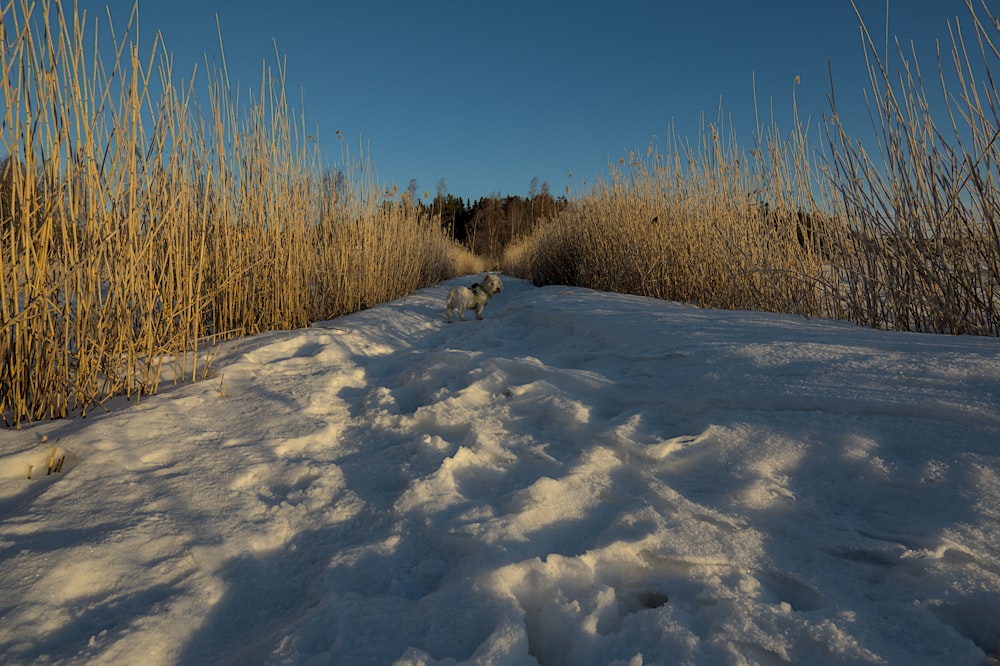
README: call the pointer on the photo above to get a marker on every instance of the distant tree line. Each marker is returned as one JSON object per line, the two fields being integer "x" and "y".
{"x": 489, "y": 224}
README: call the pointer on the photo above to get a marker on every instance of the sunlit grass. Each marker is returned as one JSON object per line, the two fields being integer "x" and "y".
{"x": 137, "y": 230}
{"x": 904, "y": 236}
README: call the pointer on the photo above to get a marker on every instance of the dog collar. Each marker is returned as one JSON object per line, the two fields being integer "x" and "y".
{"x": 476, "y": 290}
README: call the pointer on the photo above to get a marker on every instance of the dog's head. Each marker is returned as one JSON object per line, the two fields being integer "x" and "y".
{"x": 491, "y": 283}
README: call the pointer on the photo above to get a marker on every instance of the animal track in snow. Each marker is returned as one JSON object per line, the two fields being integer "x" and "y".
{"x": 790, "y": 590}
{"x": 977, "y": 621}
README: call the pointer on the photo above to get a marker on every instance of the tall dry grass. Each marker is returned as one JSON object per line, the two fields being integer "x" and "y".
{"x": 704, "y": 224}
{"x": 905, "y": 237}
{"x": 922, "y": 248}
{"x": 137, "y": 231}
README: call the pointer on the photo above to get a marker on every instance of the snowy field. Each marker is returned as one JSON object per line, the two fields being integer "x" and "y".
{"x": 582, "y": 478}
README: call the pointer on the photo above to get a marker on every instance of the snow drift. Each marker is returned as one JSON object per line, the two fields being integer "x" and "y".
{"x": 582, "y": 478}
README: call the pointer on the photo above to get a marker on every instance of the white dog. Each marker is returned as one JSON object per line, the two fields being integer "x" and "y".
{"x": 473, "y": 298}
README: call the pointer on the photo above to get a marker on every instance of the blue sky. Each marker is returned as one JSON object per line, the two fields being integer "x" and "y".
{"x": 488, "y": 95}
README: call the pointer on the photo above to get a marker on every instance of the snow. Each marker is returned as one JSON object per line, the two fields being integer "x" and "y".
{"x": 581, "y": 478}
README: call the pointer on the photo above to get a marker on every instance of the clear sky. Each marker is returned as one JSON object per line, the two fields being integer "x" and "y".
{"x": 488, "y": 95}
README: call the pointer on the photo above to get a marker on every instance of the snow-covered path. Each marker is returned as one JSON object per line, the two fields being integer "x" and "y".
{"x": 582, "y": 478}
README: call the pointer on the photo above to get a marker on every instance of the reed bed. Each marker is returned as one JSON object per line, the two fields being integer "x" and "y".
{"x": 136, "y": 232}
{"x": 922, "y": 248}
{"x": 903, "y": 238}
{"x": 704, "y": 224}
